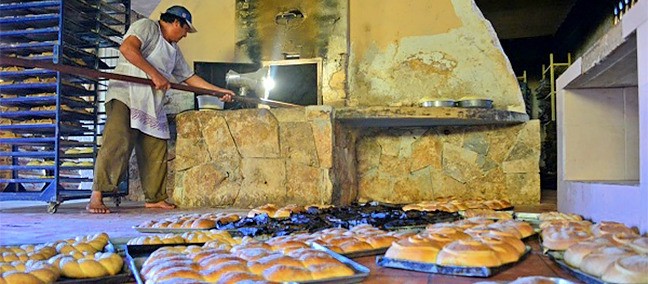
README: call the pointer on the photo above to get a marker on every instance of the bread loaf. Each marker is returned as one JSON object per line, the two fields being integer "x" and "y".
{"x": 469, "y": 253}
{"x": 284, "y": 273}
{"x": 574, "y": 254}
{"x": 640, "y": 245}
{"x": 89, "y": 266}
{"x": 212, "y": 274}
{"x": 414, "y": 248}
{"x": 606, "y": 227}
{"x": 329, "y": 270}
{"x": 599, "y": 260}
{"x": 561, "y": 238}
{"x": 630, "y": 269}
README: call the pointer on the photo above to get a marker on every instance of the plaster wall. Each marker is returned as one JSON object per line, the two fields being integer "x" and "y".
{"x": 404, "y": 52}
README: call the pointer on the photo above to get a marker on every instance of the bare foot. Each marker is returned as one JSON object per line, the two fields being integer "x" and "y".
{"x": 162, "y": 204}
{"x": 96, "y": 205}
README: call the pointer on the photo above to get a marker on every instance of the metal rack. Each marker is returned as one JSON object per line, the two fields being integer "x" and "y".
{"x": 49, "y": 125}
{"x": 552, "y": 72}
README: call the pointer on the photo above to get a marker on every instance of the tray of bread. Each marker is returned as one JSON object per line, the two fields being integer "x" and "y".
{"x": 277, "y": 261}
{"x": 186, "y": 223}
{"x": 477, "y": 247}
{"x": 82, "y": 259}
{"x": 453, "y": 204}
{"x": 613, "y": 253}
{"x": 359, "y": 241}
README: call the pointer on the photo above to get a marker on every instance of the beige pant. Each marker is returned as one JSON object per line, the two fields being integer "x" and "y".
{"x": 119, "y": 139}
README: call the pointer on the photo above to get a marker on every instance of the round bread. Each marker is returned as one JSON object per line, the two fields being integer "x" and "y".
{"x": 252, "y": 254}
{"x": 574, "y": 254}
{"x": 217, "y": 259}
{"x": 630, "y": 269}
{"x": 599, "y": 260}
{"x": 233, "y": 277}
{"x": 561, "y": 238}
{"x": 268, "y": 209}
{"x": 260, "y": 265}
{"x": 89, "y": 266}
{"x": 176, "y": 274}
{"x": 415, "y": 248}
{"x": 283, "y": 273}
{"x": 214, "y": 273}
{"x": 330, "y": 270}
{"x": 354, "y": 245}
{"x": 640, "y": 245}
{"x": 524, "y": 228}
{"x": 468, "y": 253}
{"x": 546, "y": 216}
{"x": 605, "y": 227}
{"x": 380, "y": 241}
{"x": 623, "y": 238}
{"x": 507, "y": 249}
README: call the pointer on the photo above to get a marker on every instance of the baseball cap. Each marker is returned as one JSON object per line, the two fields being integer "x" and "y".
{"x": 182, "y": 12}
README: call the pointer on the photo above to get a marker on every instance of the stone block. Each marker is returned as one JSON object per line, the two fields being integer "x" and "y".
{"x": 255, "y": 132}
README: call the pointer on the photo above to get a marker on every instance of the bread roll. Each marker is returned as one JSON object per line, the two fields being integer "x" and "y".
{"x": 574, "y": 254}
{"x": 354, "y": 245}
{"x": 283, "y": 273}
{"x": 599, "y": 260}
{"x": 640, "y": 245}
{"x": 217, "y": 259}
{"x": 330, "y": 270}
{"x": 381, "y": 241}
{"x": 252, "y": 254}
{"x": 505, "y": 251}
{"x": 605, "y": 227}
{"x": 315, "y": 259}
{"x": 469, "y": 253}
{"x": 175, "y": 274}
{"x": 414, "y": 248}
{"x": 630, "y": 269}
{"x": 214, "y": 273}
{"x": 233, "y": 277}
{"x": 561, "y": 238}
{"x": 260, "y": 265}
{"x": 547, "y": 216}
{"x": 268, "y": 209}
{"x": 524, "y": 228}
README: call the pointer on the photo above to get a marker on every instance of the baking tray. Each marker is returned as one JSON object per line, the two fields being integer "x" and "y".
{"x": 580, "y": 275}
{"x": 554, "y": 279}
{"x": 168, "y": 230}
{"x": 362, "y": 253}
{"x": 447, "y": 270}
{"x": 136, "y": 255}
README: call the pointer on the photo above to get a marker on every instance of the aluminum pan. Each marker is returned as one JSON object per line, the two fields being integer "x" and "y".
{"x": 447, "y": 270}
{"x": 136, "y": 255}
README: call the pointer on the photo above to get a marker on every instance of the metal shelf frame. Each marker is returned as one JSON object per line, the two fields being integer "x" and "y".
{"x": 42, "y": 118}
{"x": 552, "y": 71}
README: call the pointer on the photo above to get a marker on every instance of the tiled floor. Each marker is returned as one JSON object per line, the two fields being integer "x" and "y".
{"x": 20, "y": 224}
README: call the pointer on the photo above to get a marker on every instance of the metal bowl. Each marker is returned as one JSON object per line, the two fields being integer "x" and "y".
{"x": 438, "y": 103}
{"x": 476, "y": 103}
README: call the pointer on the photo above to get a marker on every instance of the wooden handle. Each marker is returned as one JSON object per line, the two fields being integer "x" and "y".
{"x": 95, "y": 74}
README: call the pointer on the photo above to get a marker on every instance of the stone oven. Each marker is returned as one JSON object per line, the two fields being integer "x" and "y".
{"x": 370, "y": 139}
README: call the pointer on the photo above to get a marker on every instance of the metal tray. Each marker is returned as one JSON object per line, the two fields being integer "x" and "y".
{"x": 438, "y": 103}
{"x": 580, "y": 275}
{"x": 168, "y": 230}
{"x": 475, "y": 103}
{"x": 124, "y": 276}
{"x": 447, "y": 270}
{"x": 362, "y": 253}
{"x": 554, "y": 279}
{"x": 136, "y": 255}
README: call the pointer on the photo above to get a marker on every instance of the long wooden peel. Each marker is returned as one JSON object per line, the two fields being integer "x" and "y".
{"x": 94, "y": 74}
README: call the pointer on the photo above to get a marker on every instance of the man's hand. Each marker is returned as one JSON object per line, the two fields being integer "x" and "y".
{"x": 228, "y": 95}
{"x": 161, "y": 83}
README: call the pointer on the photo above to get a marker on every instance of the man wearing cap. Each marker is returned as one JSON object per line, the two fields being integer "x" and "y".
{"x": 136, "y": 116}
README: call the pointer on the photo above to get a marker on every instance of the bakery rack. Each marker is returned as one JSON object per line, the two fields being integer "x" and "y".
{"x": 49, "y": 126}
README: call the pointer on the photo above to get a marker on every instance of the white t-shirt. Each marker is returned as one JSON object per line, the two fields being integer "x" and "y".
{"x": 148, "y": 32}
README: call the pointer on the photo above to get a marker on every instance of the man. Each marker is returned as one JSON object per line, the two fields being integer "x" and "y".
{"x": 136, "y": 117}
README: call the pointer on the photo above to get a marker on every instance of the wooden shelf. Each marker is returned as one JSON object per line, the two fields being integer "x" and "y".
{"x": 426, "y": 116}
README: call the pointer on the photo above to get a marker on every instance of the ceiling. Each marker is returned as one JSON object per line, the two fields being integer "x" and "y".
{"x": 525, "y": 18}
{"x": 511, "y": 19}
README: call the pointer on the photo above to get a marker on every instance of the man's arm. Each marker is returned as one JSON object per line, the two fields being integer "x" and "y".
{"x": 196, "y": 81}
{"x": 130, "y": 48}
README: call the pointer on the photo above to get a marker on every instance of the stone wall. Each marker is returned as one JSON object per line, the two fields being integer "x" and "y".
{"x": 410, "y": 165}
{"x": 251, "y": 157}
